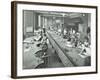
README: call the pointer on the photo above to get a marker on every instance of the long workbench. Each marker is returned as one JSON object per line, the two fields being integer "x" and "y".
{"x": 69, "y": 56}
{"x": 30, "y": 61}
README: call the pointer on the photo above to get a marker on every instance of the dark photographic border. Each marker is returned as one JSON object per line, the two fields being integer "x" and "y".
{"x": 14, "y": 37}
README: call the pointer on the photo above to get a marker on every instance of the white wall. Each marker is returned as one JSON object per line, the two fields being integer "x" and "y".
{"x": 5, "y": 41}
{"x": 28, "y": 21}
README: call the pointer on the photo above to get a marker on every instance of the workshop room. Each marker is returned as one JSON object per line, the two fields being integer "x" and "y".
{"x": 54, "y": 39}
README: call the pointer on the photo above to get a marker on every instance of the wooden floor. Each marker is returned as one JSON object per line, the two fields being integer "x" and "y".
{"x": 54, "y": 61}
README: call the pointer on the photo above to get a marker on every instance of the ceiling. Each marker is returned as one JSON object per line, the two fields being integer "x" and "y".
{"x": 60, "y": 14}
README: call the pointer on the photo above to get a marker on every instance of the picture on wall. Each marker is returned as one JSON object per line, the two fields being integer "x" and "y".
{"x": 53, "y": 39}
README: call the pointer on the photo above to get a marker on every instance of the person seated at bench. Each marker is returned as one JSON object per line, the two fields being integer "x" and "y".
{"x": 43, "y": 54}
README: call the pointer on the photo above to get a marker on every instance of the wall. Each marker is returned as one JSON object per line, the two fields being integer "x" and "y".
{"x": 28, "y": 21}
{"x": 5, "y": 41}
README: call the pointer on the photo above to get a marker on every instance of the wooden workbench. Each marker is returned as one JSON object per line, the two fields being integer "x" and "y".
{"x": 30, "y": 61}
{"x": 68, "y": 55}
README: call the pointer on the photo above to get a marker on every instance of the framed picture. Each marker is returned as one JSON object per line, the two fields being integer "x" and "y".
{"x": 49, "y": 39}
